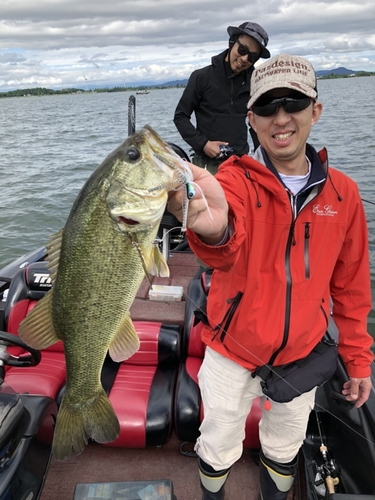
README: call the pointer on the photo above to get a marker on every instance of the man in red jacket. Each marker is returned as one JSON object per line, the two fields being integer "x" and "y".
{"x": 285, "y": 235}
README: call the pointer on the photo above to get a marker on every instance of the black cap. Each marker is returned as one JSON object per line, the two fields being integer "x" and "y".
{"x": 256, "y": 32}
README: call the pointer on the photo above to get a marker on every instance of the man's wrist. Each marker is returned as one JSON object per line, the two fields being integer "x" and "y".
{"x": 216, "y": 240}
{"x": 225, "y": 235}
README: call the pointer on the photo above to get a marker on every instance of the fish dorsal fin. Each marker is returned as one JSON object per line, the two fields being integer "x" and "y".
{"x": 53, "y": 250}
{"x": 37, "y": 329}
{"x": 126, "y": 341}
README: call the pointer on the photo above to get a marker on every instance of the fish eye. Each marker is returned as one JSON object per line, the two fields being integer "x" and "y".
{"x": 132, "y": 153}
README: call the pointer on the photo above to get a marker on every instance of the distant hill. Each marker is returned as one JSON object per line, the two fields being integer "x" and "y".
{"x": 341, "y": 71}
{"x": 338, "y": 71}
{"x": 174, "y": 83}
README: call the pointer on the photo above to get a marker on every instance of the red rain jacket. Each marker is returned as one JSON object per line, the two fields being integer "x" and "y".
{"x": 273, "y": 279}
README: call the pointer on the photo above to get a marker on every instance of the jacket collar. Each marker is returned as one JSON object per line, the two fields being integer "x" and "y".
{"x": 219, "y": 62}
{"x": 318, "y": 172}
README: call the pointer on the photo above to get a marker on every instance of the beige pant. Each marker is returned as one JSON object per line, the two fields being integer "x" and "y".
{"x": 228, "y": 391}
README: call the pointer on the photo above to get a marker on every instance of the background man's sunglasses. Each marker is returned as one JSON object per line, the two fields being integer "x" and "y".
{"x": 244, "y": 51}
{"x": 289, "y": 104}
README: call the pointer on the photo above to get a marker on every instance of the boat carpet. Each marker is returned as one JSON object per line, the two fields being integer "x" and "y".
{"x": 98, "y": 464}
{"x": 182, "y": 267}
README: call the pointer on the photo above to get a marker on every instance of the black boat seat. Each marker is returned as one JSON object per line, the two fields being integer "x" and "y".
{"x": 143, "y": 390}
{"x": 188, "y": 408}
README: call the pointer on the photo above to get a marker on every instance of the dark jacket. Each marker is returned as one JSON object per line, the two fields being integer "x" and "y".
{"x": 219, "y": 102}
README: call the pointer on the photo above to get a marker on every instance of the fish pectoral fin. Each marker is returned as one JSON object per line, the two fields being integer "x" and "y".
{"x": 153, "y": 261}
{"x": 37, "y": 329}
{"x": 126, "y": 341}
{"x": 157, "y": 265}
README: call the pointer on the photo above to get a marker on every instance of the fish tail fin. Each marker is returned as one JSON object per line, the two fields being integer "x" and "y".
{"x": 76, "y": 425}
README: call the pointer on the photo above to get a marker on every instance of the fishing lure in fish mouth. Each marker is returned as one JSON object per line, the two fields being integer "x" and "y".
{"x": 184, "y": 182}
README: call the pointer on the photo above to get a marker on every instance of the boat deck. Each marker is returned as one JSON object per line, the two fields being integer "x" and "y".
{"x": 99, "y": 463}
{"x": 182, "y": 267}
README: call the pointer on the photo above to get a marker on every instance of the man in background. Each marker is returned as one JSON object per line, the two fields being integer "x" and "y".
{"x": 218, "y": 95}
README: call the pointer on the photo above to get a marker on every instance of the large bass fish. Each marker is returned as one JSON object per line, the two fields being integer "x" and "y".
{"x": 97, "y": 262}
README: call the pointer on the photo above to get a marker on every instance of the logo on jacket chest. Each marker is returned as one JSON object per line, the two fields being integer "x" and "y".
{"x": 325, "y": 210}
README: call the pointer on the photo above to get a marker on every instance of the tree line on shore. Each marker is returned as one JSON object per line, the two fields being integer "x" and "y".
{"x": 40, "y": 91}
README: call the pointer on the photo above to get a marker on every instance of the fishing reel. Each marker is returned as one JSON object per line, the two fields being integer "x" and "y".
{"x": 326, "y": 474}
{"x": 225, "y": 151}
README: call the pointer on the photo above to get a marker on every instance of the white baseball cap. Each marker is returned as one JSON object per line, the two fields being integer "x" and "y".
{"x": 283, "y": 71}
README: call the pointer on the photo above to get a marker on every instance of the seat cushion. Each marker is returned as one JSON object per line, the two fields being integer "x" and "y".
{"x": 159, "y": 343}
{"x": 143, "y": 388}
{"x": 47, "y": 378}
{"x": 142, "y": 397}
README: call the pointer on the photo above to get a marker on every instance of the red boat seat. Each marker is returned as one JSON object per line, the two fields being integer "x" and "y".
{"x": 188, "y": 409}
{"x": 143, "y": 390}
{"x": 48, "y": 377}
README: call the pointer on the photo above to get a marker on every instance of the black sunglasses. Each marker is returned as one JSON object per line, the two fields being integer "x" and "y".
{"x": 290, "y": 105}
{"x": 244, "y": 51}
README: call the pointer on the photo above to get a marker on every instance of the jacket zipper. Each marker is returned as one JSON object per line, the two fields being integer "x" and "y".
{"x": 231, "y": 93}
{"x": 227, "y": 317}
{"x": 288, "y": 293}
{"x": 306, "y": 250}
{"x": 291, "y": 241}
{"x": 324, "y": 314}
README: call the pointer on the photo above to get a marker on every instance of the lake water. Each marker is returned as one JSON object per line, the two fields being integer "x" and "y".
{"x": 50, "y": 145}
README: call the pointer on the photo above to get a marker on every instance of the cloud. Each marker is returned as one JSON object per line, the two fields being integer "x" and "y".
{"x": 11, "y": 58}
{"x": 61, "y": 43}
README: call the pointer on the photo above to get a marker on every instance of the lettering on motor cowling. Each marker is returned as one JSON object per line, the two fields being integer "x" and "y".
{"x": 325, "y": 211}
{"x": 42, "y": 279}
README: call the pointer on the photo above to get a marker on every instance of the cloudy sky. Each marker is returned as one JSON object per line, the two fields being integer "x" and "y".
{"x": 65, "y": 43}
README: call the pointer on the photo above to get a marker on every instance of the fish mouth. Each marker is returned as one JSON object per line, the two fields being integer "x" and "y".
{"x": 135, "y": 206}
{"x": 140, "y": 212}
{"x": 128, "y": 225}
{"x": 127, "y": 221}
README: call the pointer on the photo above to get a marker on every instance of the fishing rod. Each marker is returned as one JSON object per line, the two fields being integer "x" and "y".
{"x": 368, "y": 201}
{"x": 131, "y": 115}
{"x": 327, "y": 473}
